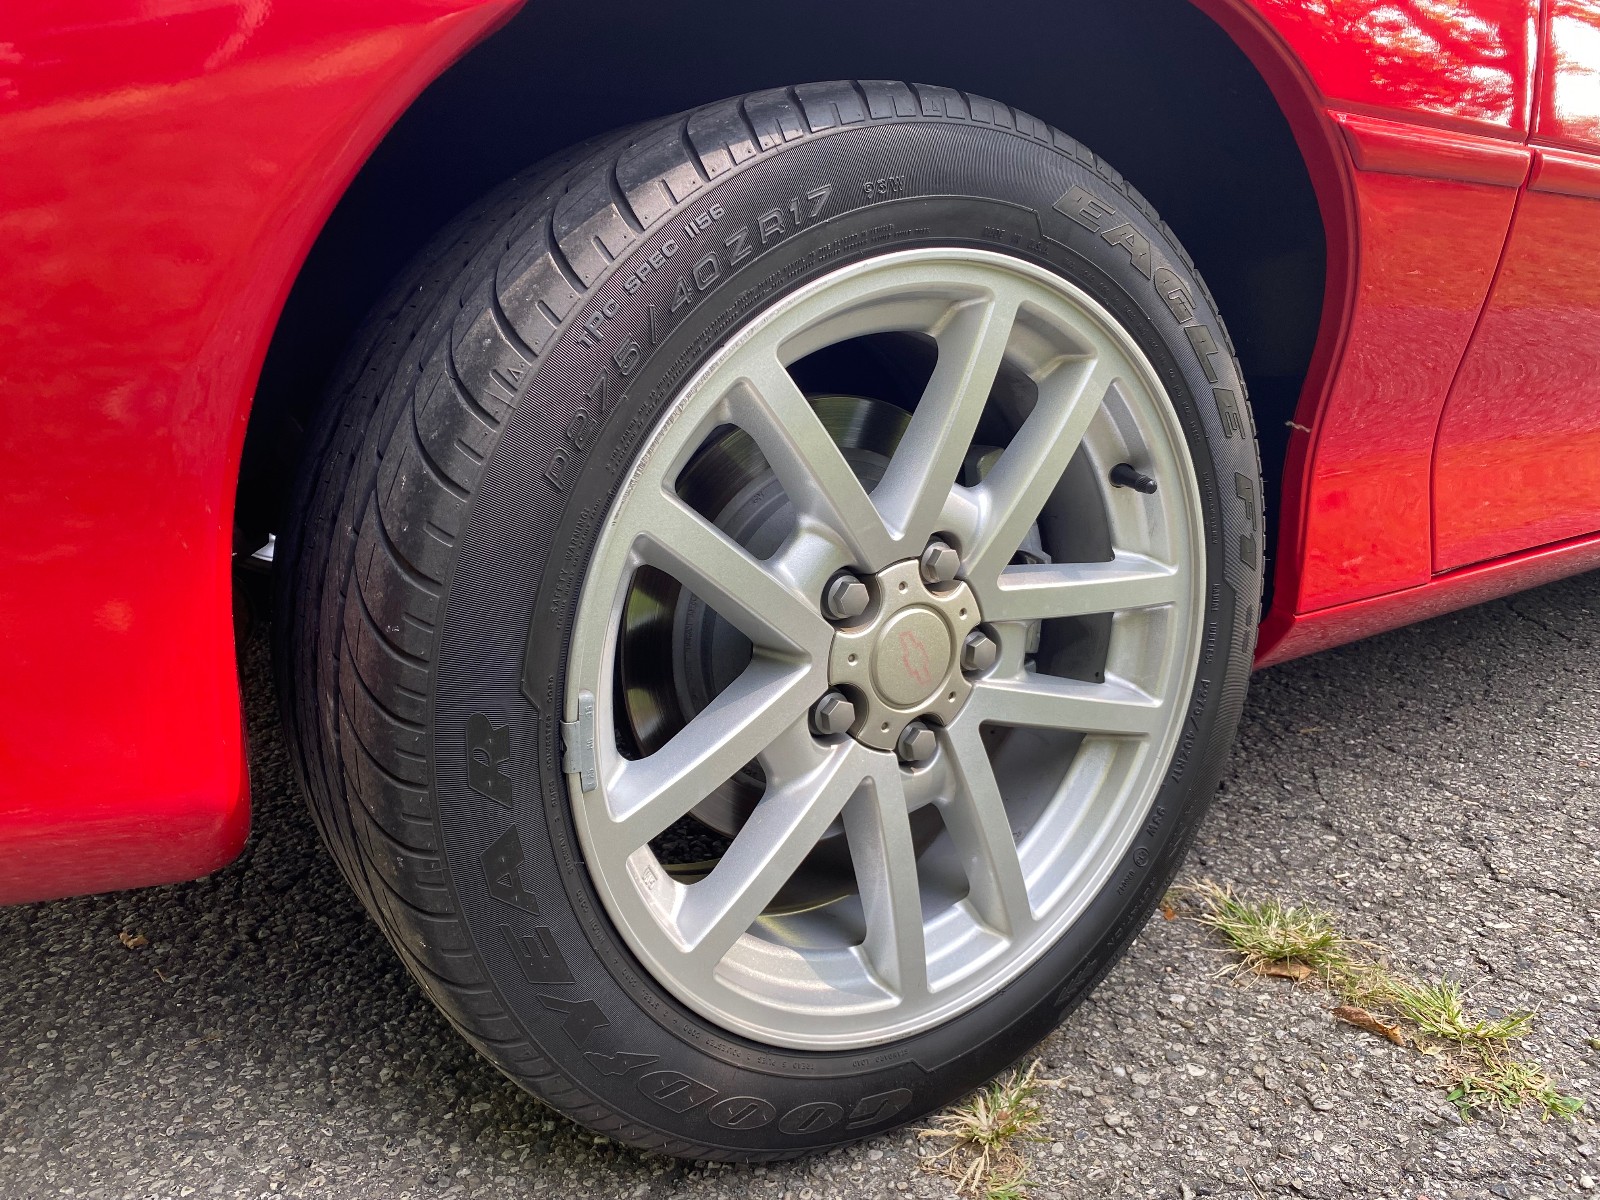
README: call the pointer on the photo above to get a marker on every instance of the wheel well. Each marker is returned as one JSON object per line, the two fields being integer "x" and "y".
{"x": 1154, "y": 86}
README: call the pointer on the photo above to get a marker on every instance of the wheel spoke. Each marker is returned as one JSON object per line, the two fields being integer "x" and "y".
{"x": 1040, "y": 591}
{"x": 879, "y": 831}
{"x": 649, "y": 794}
{"x": 815, "y": 475}
{"x": 1021, "y": 480}
{"x": 928, "y": 460}
{"x": 1036, "y": 786}
{"x": 1049, "y": 702}
{"x": 774, "y": 841}
{"x": 761, "y": 606}
{"x": 976, "y": 819}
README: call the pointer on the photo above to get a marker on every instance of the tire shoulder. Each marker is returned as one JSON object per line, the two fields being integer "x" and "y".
{"x": 410, "y": 422}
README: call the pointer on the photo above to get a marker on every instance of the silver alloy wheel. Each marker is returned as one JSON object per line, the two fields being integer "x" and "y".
{"x": 928, "y": 930}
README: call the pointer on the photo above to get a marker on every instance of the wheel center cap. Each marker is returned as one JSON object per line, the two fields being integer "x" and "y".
{"x": 901, "y": 659}
{"x": 912, "y": 657}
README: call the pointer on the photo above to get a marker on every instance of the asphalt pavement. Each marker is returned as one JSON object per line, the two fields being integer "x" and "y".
{"x": 1437, "y": 788}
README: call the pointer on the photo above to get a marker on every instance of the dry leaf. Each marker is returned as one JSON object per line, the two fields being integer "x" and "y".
{"x": 133, "y": 941}
{"x": 1168, "y": 913}
{"x": 1362, "y": 1019}
{"x": 1297, "y": 971}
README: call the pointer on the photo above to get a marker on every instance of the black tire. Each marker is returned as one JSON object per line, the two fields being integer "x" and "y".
{"x": 442, "y": 525}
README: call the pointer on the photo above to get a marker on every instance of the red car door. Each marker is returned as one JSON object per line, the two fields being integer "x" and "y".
{"x": 1518, "y": 458}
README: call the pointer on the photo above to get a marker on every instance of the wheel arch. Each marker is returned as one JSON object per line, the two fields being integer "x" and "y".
{"x": 1198, "y": 102}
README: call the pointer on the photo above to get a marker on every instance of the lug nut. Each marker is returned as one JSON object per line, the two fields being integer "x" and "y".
{"x": 979, "y": 652}
{"x": 939, "y": 562}
{"x": 833, "y": 714}
{"x": 917, "y": 743}
{"x": 845, "y": 598}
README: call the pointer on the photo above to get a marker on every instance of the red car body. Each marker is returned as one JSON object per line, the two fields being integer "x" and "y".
{"x": 165, "y": 166}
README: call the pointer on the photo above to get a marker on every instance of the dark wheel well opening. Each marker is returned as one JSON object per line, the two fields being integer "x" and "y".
{"x": 1153, "y": 86}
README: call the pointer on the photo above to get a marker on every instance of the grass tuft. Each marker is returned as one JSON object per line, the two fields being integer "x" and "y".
{"x": 1304, "y": 944}
{"x": 1012, "y": 1187}
{"x": 1270, "y": 933}
{"x": 984, "y": 1132}
{"x": 1439, "y": 1009}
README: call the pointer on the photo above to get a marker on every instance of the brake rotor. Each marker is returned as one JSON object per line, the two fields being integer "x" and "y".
{"x": 676, "y": 653}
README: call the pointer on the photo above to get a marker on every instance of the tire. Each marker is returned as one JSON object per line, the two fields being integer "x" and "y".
{"x": 476, "y": 469}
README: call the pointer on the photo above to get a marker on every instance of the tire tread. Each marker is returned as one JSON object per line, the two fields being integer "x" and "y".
{"x": 391, "y": 469}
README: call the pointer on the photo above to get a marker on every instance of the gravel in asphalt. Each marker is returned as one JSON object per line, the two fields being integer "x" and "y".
{"x": 1436, "y": 788}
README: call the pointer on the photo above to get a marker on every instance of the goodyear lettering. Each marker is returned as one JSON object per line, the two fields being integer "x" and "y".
{"x": 538, "y": 955}
{"x": 583, "y": 1017}
{"x": 620, "y": 1063}
{"x": 812, "y": 1117}
{"x": 870, "y": 1110}
{"x": 741, "y": 1112}
{"x": 674, "y": 1090}
{"x": 502, "y": 863}
{"x": 488, "y": 755}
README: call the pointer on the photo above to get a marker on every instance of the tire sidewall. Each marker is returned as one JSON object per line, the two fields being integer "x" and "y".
{"x": 514, "y": 861}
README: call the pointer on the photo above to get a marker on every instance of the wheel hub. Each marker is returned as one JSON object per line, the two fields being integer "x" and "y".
{"x": 900, "y": 661}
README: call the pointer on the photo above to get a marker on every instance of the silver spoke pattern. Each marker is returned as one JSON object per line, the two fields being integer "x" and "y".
{"x": 1042, "y": 591}
{"x": 935, "y": 914}
{"x": 647, "y": 795}
{"x": 976, "y": 818}
{"x": 696, "y": 553}
{"x": 928, "y": 461}
{"x": 879, "y": 831}
{"x": 1028, "y": 470}
{"x": 779, "y": 834}
{"x": 1038, "y": 701}
{"x": 808, "y": 462}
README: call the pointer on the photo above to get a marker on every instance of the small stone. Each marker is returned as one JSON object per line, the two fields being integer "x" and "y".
{"x": 1194, "y": 1069}
{"x": 1143, "y": 1078}
{"x": 1586, "y": 1182}
{"x": 1113, "y": 1119}
{"x": 1189, "y": 1110}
